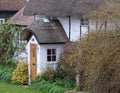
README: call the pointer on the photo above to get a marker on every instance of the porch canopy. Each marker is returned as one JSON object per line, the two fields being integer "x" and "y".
{"x": 46, "y": 33}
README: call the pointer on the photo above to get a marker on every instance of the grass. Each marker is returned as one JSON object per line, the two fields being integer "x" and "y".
{"x": 9, "y": 88}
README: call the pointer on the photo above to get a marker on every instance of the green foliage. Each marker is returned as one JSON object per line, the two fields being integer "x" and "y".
{"x": 20, "y": 74}
{"x": 58, "y": 86}
{"x": 57, "y": 89}
{"x": 8, "y": 43}
{"x": 42, "y": 85}
{"x": 47, "y": 86}
{"x": 65, "y": 84}
{"x": 5, "y": 73}
{"x": 101, "y": 57}
{"x": 78, "y": 88}
{"x": 47, "y": 74}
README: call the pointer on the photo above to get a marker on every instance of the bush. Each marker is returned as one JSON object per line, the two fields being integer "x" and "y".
{"x": 20, "y": 74}
{"x": 5, "y": 73}
{"x": 101, "y": 57}
{"x": 8, "y": 43}
{"x": 47, "y": 74}
{"x": 68, "y": 62}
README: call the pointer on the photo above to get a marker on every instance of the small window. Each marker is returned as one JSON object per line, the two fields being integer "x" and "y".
{"x": 51, "y": 55}
{"x": 2, "y": 21}
{"x": 84, "y": 21}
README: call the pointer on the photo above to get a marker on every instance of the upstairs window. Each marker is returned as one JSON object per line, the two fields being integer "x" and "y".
{"x": 51, "y": 55}
{"x": 2, "y": 21}
{"x": 84, "y": 27}
{"x": 84, "y": 21}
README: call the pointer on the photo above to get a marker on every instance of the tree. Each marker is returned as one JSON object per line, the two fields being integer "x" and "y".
{"x": 101, "y": 58}
{"x": 8, "y": 43}
{"x": 101, "y": 51}
{"x": 106, "y": 16}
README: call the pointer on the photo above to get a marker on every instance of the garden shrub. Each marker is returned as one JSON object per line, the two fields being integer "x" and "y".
{"x": 97, "y": 59}
{"x": 47, "y": 74}
{"x": 68, "y": 62}
{"x": 20, "y": 74}
{"x": 101, "y": 57}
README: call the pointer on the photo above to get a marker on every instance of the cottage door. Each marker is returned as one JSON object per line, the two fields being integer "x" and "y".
{"x": 33, "y": 61}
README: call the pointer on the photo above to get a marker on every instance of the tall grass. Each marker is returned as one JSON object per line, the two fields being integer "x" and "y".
{"x": 6, "y": 73}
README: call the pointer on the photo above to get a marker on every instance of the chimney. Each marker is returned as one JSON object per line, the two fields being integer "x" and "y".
{"x": 46, "y": 20}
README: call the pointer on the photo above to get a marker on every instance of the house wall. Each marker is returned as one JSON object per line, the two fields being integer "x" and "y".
{"x": 42, "y": 55}
{"x": 77, "y": 30}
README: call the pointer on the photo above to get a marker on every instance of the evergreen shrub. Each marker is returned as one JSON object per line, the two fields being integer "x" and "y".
{"x": 20, "y": 74}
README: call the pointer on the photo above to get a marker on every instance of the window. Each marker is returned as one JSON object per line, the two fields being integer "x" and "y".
{"x": 51, "y": 55}
{"x": 2, "y": 21}
{"x": 84, "y": 27}
{"x": 84, "y": 21}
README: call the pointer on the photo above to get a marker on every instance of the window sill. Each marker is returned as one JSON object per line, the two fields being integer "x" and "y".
{"x": 52, "y": 62}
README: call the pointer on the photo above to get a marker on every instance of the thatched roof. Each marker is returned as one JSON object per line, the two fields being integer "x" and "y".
{"x": 20, "y": 19}
{"x": 46, "y": 33}
{"x": 60, "y": 8}
{"x": 11, "y": 5}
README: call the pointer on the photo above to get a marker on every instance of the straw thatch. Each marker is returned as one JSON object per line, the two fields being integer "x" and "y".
{"x": 61, "y": 8}
{"x": 46, "y": 33}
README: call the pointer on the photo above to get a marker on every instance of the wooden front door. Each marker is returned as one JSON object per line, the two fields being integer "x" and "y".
{"x": 33, "y": 61}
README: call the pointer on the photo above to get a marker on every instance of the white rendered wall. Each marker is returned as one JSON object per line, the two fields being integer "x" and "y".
{"x": 75, "y": 28}
{"x": 65, "y": 24}
{"x": 43, "y": 56}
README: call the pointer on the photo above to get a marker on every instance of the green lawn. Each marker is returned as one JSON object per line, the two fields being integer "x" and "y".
{"x": 9, "y": 88}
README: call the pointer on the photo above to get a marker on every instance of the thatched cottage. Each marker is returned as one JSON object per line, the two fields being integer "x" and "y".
{"x": 57, "y": 22}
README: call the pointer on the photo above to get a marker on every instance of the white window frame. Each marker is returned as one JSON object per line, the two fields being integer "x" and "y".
{"x": 2, "y": 21}
{"x": 84, "y": 23}
{"x": 51, "y": 55}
